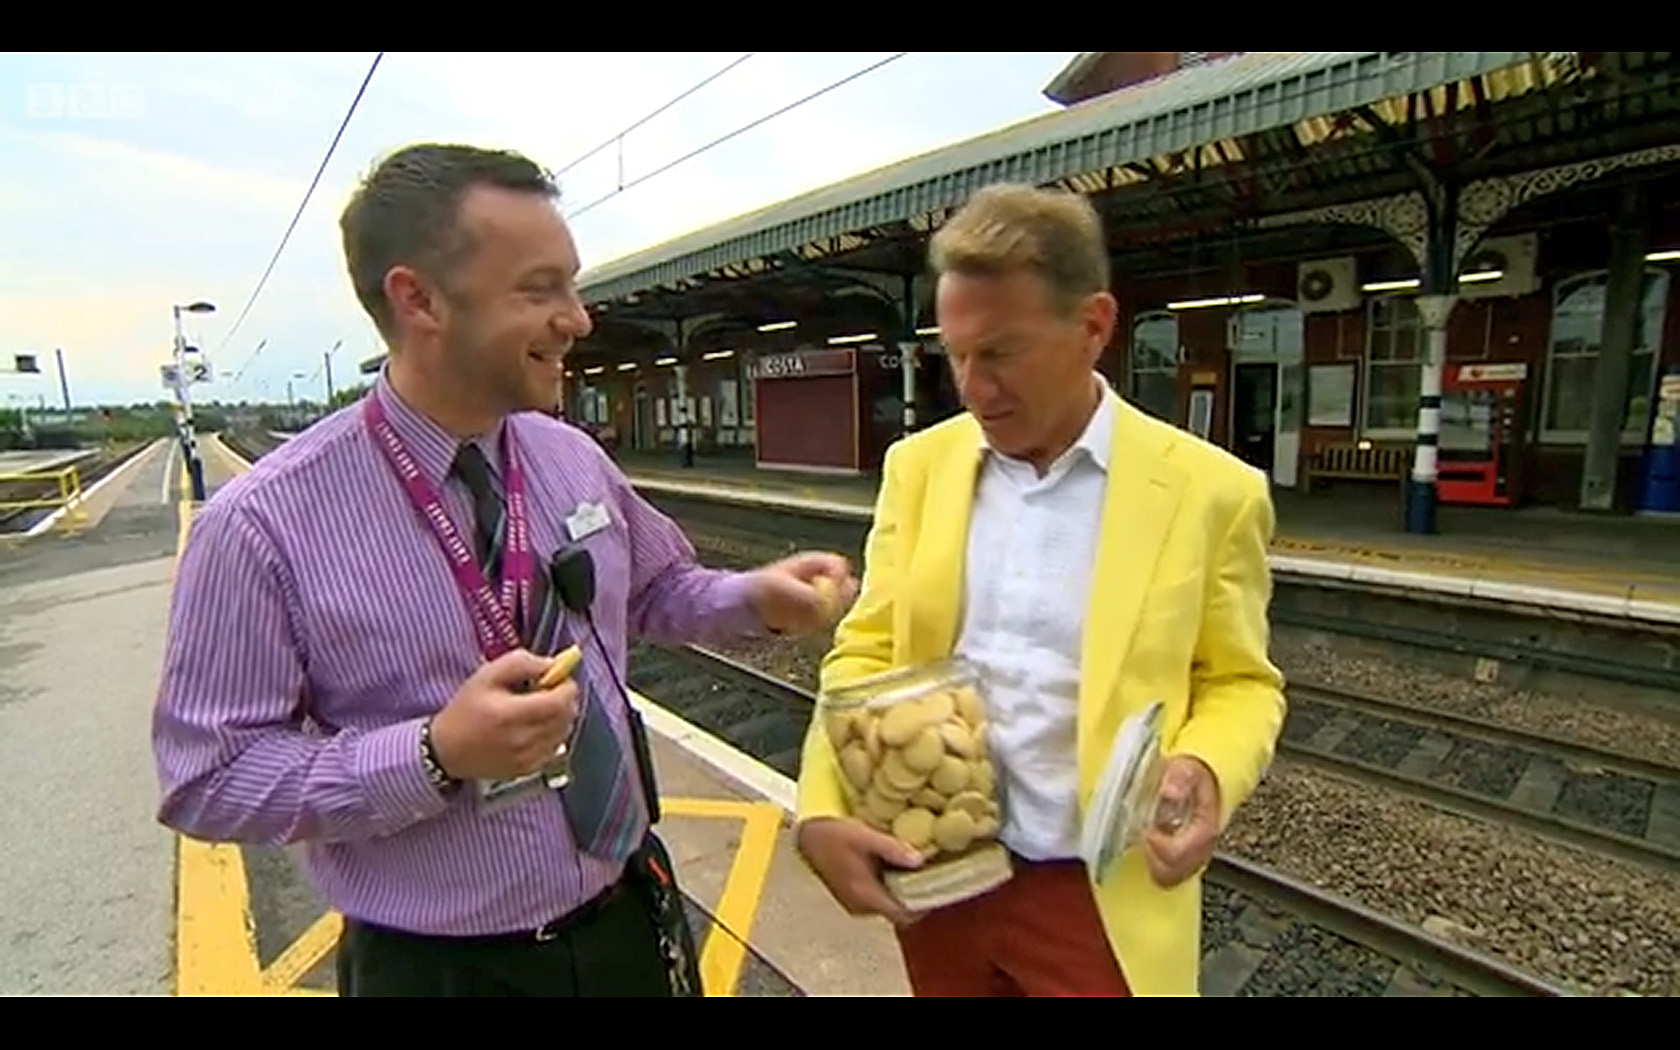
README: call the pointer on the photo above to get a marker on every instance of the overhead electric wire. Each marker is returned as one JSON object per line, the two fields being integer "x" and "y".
{"x": 738, "y": 131}
{"x": 655, "y": 113}
{"x": 298, "y": 215}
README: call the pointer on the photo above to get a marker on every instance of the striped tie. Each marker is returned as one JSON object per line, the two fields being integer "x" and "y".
{"x": 603, "y": 799}
{"x": 489, "y": 513}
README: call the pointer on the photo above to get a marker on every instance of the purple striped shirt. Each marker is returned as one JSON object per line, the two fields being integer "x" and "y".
{"x": 315, "y": 625}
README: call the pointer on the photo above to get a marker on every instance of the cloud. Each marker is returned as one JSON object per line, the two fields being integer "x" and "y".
{"x": 109, "y": 222}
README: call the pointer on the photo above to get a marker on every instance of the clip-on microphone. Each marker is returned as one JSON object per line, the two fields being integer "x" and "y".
{"x": 571, "y": 574}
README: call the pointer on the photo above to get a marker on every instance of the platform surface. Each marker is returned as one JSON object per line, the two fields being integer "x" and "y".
{"x": 89, "y": 876}
{"x": 39, "y": 461}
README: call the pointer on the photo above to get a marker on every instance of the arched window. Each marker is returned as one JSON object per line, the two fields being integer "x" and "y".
{"x": 1572, "y": 353}
{"x": 1154, "y": 365}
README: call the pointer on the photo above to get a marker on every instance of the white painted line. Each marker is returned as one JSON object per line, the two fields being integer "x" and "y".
{"x": 166, "y": 494}
{"x": 1288, "y": 565}
{"x": 47, "y": 522}
{"x": 239, "y": 461}
{"x": 1646, "y": 609}
{"x": 725, "y": 494}
{"x": 747, "y": 772}
{"x": 1411, "y": 581}
{"x": 1283, "y": 565}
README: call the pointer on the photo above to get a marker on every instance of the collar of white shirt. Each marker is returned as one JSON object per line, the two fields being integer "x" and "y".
{"x": 1095, "y": 443}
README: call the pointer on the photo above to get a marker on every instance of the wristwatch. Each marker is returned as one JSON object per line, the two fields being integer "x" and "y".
{"x": 441, "y": 780}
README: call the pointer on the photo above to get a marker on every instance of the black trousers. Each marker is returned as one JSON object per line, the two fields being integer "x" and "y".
{"x": 609, "y": 947}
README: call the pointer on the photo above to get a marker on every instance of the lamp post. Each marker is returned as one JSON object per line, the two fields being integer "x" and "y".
{"x": 326, "y": 363}
{"x": 189, "y": 443}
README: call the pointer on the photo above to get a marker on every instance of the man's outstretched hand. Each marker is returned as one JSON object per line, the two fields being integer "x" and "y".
{"x": 803, "y": 594}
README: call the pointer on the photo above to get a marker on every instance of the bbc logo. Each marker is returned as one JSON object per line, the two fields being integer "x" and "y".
{"x": 86, "y": 101}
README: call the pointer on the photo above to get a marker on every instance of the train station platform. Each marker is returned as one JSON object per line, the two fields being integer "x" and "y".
{"x": 103, "y": 900}
{"x": 1620, "y": 566}
{"x": 40, "y": 461}
{"x": 89, "y": 880}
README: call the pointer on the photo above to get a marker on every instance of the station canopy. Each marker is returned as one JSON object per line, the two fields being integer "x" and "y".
{"x": 1255, "y": 114}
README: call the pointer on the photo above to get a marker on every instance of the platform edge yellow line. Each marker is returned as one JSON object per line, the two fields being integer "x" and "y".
{"x": 726, "y": 950}
{"x": 303, "y": 954}
{"x": 716, "y": 808}
{"x": 215, "y": 940}
{"x": 215, "y": 943}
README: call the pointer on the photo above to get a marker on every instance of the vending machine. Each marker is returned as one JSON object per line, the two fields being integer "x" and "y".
{"x": 1483, "y": 419}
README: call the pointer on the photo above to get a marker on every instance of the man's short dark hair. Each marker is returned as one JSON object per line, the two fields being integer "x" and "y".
{"x": 405, "y": 210}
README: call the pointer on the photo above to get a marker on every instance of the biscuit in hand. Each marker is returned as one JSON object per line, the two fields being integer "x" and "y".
{"x": 561, "y": 668}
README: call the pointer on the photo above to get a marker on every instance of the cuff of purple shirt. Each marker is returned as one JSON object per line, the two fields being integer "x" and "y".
{"x": 388, "y": 764}
{"x": 733, "y": 611}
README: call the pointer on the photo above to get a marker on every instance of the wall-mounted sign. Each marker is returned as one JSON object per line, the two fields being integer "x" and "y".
{"x": 778, "y": 366}
{"x": 803, "y": 364}
{"x": 1500, "y": 373}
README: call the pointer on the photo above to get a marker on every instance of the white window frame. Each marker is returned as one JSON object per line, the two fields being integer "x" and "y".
{"x": 1134, "y": 371}
{"x": 1367, "y": 361}
{"x": 1655, "y": 322}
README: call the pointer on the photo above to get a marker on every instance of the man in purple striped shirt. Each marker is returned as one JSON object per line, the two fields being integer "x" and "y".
{"x": 327, "y": 679}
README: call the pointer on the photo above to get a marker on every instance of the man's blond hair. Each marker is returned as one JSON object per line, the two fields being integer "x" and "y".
{"x": 1010, "y": 228}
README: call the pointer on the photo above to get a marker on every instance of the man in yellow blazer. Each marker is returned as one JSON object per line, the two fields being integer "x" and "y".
{"x": 1089, "y": 560}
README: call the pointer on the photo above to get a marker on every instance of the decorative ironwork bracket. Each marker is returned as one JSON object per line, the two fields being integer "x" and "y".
{"x": 1480, "y": 204}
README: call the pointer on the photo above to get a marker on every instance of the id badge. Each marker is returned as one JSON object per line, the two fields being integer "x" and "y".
{"x": 587, "y": 520}
{"x": 497, "y": 794}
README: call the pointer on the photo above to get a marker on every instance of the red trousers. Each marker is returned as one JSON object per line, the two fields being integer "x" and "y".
{"x": 1036, "y": 935}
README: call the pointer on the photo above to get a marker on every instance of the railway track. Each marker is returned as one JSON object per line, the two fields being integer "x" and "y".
{"x": 249, "y": 447}
{"x": 1264, "y": 933}
{"x": 1594, "y": 799}
{"x": 1587, "y": 797}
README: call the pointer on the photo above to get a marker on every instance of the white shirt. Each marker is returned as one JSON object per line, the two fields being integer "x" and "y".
{"x": 1031, "y": 548}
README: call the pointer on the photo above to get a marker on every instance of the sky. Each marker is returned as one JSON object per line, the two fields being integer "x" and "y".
{"x": 133, "y": 183}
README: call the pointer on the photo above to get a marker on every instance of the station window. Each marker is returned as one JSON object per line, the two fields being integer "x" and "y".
{"x": 1572, "y": 351}
{"x": 1154, "y": 365}
{"x": 1393, "y": 361}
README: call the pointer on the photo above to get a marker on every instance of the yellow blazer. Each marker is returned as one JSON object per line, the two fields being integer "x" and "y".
{"x": 1177, "y": 613}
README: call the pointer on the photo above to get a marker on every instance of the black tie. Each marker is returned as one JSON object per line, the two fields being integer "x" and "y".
{"x": 488, "y": 511}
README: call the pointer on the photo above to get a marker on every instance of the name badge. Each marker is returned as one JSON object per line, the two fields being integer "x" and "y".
{"x": 587, "y": 520}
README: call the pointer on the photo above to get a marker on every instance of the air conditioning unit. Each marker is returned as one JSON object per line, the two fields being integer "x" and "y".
{"x": 1513, "y": 257}
{"x": 1328, "y": 285}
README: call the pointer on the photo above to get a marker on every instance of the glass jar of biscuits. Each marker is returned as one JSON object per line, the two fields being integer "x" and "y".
{"x": 915, "y": 757}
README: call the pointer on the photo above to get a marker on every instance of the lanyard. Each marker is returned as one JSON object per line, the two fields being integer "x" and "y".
{"x": 492, "y": 618}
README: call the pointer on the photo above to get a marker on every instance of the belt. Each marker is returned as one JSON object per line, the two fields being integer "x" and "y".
{"x": 587, "y": 912}
{"x": 551, "y": 930}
